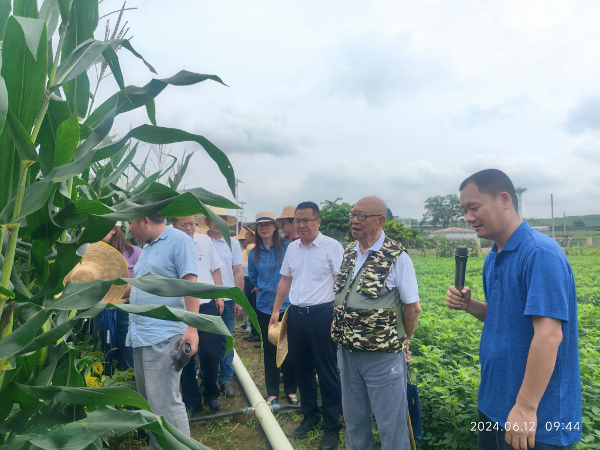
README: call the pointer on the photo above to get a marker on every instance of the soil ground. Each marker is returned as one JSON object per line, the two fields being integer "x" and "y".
{"x": 241, "y": 432}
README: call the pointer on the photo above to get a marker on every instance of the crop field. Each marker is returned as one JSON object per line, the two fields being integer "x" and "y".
{"x": 446, "y": 352}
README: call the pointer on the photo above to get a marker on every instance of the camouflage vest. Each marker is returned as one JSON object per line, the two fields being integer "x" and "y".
{"x": 367, "y": 316}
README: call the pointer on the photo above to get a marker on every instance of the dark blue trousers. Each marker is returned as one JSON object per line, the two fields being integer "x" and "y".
{"x": 208, "y": 352}
{"x": 310, "y": 347}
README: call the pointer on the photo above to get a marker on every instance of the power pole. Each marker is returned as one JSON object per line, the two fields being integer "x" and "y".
{"x": 237, "y": 212}
{"x": 552, "y": 212}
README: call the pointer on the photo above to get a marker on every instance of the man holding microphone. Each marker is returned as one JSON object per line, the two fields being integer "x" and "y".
{"x": 530, "y": 392}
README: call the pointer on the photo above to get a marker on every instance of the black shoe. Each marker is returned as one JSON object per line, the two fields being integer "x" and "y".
{"x": 253, "y": 339}
{"x": 195, "y": 410}
{"x": 247, "y": 338}
{"x": 329, "y": 441}
{"x": 226, "y": 389}
{"x": 258, "y": 345}
{"x": 308, "y": 424}
{"x": 214, "y": 405}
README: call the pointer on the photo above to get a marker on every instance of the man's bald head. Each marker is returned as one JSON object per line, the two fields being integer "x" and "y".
{"x": 373, "y": 203}
{"x": 372, "y": 211}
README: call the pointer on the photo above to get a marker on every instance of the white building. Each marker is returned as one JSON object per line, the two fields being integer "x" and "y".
{"x": 456, "y": 233}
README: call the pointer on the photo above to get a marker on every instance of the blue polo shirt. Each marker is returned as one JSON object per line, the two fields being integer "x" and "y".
{"x": 173, "y": 254}
{"x": 530, "y": 276}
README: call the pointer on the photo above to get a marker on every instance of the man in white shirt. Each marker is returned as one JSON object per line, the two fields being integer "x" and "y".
{"x": 232, "y": 273}
{"x": 309, "y": 268}
{"x": 376, "y": 312}
{"x": 209, "y": 272}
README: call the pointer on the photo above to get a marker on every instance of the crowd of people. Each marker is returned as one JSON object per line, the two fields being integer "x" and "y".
{"x": 350, "y": 315}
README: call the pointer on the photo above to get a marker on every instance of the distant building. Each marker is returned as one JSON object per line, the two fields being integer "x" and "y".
{"x": 455, "y": 233}
{"x": 403, "y": 220}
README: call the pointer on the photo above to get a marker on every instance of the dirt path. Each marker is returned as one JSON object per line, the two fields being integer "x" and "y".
{"x": 241, "y": 432}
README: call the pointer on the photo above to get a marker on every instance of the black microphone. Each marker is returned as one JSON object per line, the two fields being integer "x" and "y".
{"x": 460, "y": 257}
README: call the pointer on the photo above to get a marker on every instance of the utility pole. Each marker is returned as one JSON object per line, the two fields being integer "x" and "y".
{"x": 237, "y": 212}
{"x": 564, "y": 224}
{"x": 242, "y": 215}
{"x": 552, "y": 212}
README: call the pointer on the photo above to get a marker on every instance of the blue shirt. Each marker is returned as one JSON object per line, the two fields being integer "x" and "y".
{"x": 266, "y": 277}
{"x": 173, "y": 254}
{"x": 531, "y": 276}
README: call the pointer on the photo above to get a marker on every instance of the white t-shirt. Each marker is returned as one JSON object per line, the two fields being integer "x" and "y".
{"x": 313, "y": 270}
{"x": 229, "y": 258}
{"x": 402, "y": 275}
{"x": 208, "y": 261}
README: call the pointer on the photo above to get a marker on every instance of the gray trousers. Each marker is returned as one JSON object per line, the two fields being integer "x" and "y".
{"x": 158, "y": 382}
{"x": 374, "y": 382}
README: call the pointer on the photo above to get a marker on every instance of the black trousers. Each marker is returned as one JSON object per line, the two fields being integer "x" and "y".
{"x": 270, "y": 356}
{"x": 209, "y": 348}
{"x": 310, "y": 347}
{"x": 251, "y": 296}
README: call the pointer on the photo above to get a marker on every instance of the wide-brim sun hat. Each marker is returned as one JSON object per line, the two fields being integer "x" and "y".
{"x": 244, "y": 233}
{"x": 101, "y": 262}
{"x": 278, "y": 336}
{"x": 265, "y": 216}
{"x": 287, "y": 213}
{"x": 218, "y": 211}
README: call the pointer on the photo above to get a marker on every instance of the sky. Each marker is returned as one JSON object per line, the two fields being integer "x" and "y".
{"x": 343, "y": 99}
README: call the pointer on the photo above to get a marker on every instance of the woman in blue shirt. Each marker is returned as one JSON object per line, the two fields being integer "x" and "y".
{"x": 264, "y": 264}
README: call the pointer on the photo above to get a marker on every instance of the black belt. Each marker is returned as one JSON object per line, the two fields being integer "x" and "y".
{"x": 311, "y": 309}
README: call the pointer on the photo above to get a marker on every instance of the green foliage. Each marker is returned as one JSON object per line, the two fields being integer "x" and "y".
{"x": 442, "y": 209}
{"x": 446, "y": 246}
{"x": 579, "y": 223}
{"x": 61, "y": 188}
{"x": 445, "y": 348}
{"x": 334, "y": 220}
{"x": 398, "y": 232}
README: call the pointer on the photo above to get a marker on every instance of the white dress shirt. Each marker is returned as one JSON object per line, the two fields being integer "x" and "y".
{"x": 208, "y": 261}
{"x": 229, "y": 258}
{"x": 313, "y": 270}
{"x": 402, "y": 275}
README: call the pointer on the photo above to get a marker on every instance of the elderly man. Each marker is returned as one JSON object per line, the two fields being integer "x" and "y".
{"x": 376, "y": 312}
{"x": 232, "y": 274}
{"x": 209, "y": 272}
{"x": 530, "y": 392}
{"x": 169, "y": 253}
{"x": 308, "y": 273}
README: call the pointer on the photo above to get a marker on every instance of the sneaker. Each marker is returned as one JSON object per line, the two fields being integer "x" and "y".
{"x": 308, "y": 424}
{"x": 226, "y": 389}
{"x": 214, "y": 405}
{"x": 329, "y": 441}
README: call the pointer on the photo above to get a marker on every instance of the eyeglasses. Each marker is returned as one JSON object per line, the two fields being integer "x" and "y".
{"x": 303, "y": 221}
{"x": 362, "y": 217}
{"x": 264, "y": 225}
{"x": 187, "y": 225}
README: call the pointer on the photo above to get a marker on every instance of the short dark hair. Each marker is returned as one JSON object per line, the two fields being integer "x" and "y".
{"x": 309, "y": 205}
{"x": 156, "y": 218}
{"x": 492, "y": 182}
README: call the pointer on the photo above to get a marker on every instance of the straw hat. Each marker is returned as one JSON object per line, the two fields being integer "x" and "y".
{"x": 231, "y": 220}
{"x": 265, "y": 216}
{"x": 101, "y": 262}
{"x": 278, "y": 337}
{"x": 288, "y": 212}
{"x": 243, "y": 233}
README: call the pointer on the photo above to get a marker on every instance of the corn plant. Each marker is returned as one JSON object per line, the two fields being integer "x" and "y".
{"x": 60, "y": 189}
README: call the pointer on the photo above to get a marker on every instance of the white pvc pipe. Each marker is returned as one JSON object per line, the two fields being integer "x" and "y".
{"x": 262, "y": 409}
